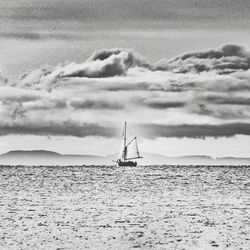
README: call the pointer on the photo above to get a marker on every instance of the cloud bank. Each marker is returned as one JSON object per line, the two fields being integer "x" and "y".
{"x": 198, "y": 94}
{"x": 225, "y": 60}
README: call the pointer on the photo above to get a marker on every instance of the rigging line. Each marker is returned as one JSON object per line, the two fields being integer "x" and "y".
{"x": 131, "y": 141}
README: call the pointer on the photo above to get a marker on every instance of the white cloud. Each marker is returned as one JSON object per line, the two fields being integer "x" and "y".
{"x": 176, "y": 97}
{"x": 224, "y": 60}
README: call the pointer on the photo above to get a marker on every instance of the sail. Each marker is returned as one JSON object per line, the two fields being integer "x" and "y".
{"x": 132, "y": 150}
{"x": 128, "y": 151}
{"x": 122, "y": 152}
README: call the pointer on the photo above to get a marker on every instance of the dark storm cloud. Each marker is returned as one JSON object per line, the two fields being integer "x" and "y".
{"x": 66, "y": 128}
{"x": 164, "y": 105}
{"x": 124, "y": 86}
{"x": 196, "y": 131}
{"x": 228, "y": 100}
{"x": 70, "y": 128}
{"x": 158, "y": 102}
{"x": 96, "y": 104}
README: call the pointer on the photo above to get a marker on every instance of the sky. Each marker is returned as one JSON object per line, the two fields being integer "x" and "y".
{"x": 71, "y": 73}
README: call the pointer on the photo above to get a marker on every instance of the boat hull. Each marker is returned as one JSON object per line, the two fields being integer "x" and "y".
{"x": 127, "y": 163}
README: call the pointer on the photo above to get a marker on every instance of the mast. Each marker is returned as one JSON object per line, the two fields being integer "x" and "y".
{"x": 129, "y": 150}
{"x": 125, "y": 135}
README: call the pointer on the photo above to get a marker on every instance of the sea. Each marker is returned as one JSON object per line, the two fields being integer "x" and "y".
{"x": 144, "y": 207}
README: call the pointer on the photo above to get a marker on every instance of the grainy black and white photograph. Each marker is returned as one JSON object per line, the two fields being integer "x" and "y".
{"x": 124, "y": 124}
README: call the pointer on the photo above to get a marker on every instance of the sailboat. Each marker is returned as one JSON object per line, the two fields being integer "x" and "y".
{"x": 129, "y": 151}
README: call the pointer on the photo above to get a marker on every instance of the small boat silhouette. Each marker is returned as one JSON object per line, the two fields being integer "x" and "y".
{"x": 129, "y": 151}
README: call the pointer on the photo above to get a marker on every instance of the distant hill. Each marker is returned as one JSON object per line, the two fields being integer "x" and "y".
{"x": 17, "y": 153}
{"x": 44, "y": 157}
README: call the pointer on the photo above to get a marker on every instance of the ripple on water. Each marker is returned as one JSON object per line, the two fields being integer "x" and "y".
{"x": 155, "y": 207}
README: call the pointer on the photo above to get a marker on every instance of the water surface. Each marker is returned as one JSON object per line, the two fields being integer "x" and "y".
{"x": 152, "y": 207}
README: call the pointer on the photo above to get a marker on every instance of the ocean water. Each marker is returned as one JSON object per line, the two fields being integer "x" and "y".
{"x": 151, "y": 207}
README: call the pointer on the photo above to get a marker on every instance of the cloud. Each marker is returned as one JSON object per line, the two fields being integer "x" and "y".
{"x": 95, "y": 104}
{"x": 105, "y": 63}
{"x": 114, "y": 11}
{"x": 227, "y": 60}
{"x": 198, "y": 94}
{"x": 195, "y": 131}
{"x": 42, "y": 78}
{"x": 102, "y": 64}
{"x": 3, "y": 78}
{"x": 67, "y": 128}
{"x": 224, "y": 60}
{"x": 27, "y": 35}
{"x": 157, "y": 101}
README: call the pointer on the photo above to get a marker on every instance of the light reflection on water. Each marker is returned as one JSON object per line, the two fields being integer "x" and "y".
{"x": 153, "y": 207}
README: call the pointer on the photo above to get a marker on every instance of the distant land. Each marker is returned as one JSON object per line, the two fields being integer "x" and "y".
{"x": 46, "y": 158}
